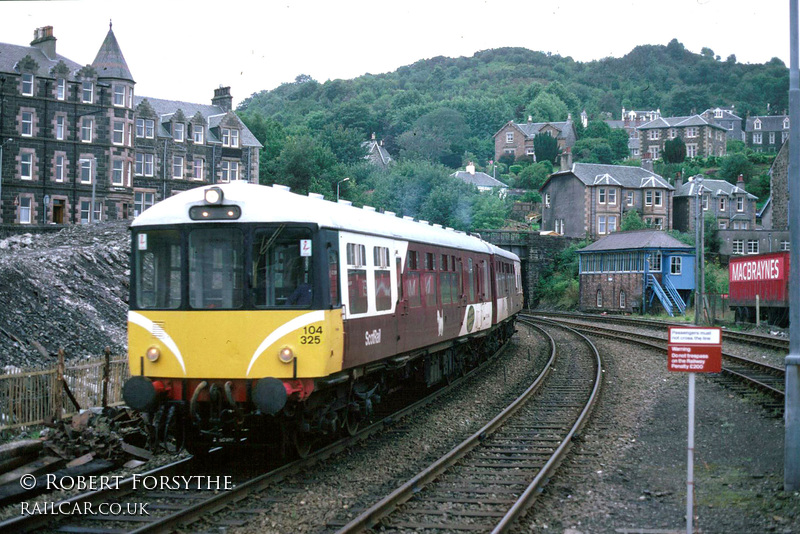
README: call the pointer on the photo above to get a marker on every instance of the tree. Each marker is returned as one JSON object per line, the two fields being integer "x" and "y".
{"x": 632, "y": 221}
{"x": 711, "y": 238}
{"x": 734, "y": 165}
{"x": 545, "y": 146}
{"x": 547, "y": 107}
{"x": 488, "y": 211}
{"x": 534, "y": 176}
{"x": 674, "y": 150}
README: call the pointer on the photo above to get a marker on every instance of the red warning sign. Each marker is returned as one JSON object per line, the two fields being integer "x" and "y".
{"x": 694, "y": 350}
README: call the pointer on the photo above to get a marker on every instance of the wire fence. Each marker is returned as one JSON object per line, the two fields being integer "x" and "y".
{"x": 35, "y": 396}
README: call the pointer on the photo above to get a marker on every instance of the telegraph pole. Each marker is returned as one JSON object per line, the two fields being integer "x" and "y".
{"x": 791, "y": 459}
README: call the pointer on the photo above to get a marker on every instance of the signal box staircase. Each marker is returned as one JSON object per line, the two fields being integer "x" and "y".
{"x": 667, "y": 295}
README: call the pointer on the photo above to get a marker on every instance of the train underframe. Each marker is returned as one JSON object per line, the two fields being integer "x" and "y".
{"x": 318, "y": 410}
{"x": 771, "y": 315}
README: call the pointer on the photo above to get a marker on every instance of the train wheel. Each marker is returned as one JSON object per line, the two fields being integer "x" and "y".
{"x": 301, "y": 444}
{"x": 351, "y": 420}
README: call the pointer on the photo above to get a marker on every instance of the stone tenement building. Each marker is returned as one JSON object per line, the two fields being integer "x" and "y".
{"x": 516, "y": 139}
{"x": 702, "y": 137}
{"x": 591, "y": 199}
{"x": 75, "y": 150}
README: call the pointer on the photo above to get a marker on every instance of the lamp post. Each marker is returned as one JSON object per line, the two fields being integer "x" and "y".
{"x": 3, "y": 144}
{"x": 699, "y": 253}
{"x": 791, "y": 463}
{"x": 337, "y": 186}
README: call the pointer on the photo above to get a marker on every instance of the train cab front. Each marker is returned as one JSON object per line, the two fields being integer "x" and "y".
{"x": 231, "y": 320}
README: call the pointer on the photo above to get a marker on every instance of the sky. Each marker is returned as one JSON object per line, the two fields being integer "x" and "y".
{"x": 183, "y": 50}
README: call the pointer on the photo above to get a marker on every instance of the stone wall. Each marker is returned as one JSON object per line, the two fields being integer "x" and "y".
{"x": 779, "y": 189}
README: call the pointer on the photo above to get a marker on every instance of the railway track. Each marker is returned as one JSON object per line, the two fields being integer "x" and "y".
{"x": 184, "y": 503}
{"x": 749, "y": 338}
{"x": 488, "y": 481}
{"x": 739, "y": 373}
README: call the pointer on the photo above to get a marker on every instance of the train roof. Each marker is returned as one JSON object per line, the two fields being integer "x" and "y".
{"x": 277, "y": 204}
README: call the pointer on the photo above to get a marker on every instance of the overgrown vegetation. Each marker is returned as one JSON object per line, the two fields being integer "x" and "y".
{"x": 558, "y": 285}
{"x": 437, "y": 114}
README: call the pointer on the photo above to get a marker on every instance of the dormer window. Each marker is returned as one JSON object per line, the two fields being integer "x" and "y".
{"x": 230, "y": 138}
{"x": 27, "y": 84}
{"x": 87, "y": 92}
{"x": 786, "y": 123}
{"x": 757, "y": 124}
{"x": 177, "y": 132}
{"x": 198, "y": 133}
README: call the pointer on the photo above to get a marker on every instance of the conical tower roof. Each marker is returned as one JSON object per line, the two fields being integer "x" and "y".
{"x": 110, "y": 62}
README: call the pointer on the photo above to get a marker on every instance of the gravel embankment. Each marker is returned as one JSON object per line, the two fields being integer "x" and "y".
{"x": 338, "y": 490}
{"x": 626, "y": 474}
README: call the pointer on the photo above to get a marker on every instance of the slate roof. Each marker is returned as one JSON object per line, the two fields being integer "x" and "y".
{"x": 593, "y": 174}
{"x": 479, "y": 179}
{"x": 769, "y": 123}
{"x": 373, "y": 146}
{"x": 110, "y": 62}
{"x": 679, "y": 122}
{"x": 637, "y": 239}
{"x": 213, "y": 115}
{"x": 716, "y": 187}
{"x": 727, "y": 113}
{"x": 11, "y": 54}
{"x": 767, "y": 204}
{"x": 566, "y": 129}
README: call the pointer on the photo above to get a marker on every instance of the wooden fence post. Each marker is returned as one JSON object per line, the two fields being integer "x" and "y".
{"x": 106, "y": 372}
{"x": 59, "y": 386}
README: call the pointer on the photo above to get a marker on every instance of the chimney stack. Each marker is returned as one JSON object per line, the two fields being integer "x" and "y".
{"x": 223, "y": 98}
{"x": 678, "y": 181}
{"x": 43, "y": 40}
{"x": 566, "y": 159}
{"x": 471, "y": 168}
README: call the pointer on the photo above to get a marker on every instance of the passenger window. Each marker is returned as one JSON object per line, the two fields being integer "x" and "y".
{"x": 357, "y": 278}
{"x": 412, "y": 290}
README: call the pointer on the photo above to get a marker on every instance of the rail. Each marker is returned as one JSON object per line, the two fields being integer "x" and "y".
{"x": 497, "y": 446}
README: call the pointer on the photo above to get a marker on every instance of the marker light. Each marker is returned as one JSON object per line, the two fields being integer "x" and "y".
{"x": 153, "y": 354}
{"x": 286, "y": 355}
{"x": 213, "y": 195}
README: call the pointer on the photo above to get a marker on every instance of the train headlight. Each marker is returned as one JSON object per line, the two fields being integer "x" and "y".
{"x": 286, "y": 355}
{"x": 213, "y": 195}
{"x": 153, "y": 354}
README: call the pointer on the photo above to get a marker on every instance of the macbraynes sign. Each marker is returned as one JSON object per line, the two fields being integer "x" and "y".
{"x": 694, "y": 349}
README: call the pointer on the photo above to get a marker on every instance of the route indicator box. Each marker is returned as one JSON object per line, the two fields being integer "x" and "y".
{"x": 694, "y": 350}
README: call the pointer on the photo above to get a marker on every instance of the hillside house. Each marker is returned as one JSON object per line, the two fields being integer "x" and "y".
{"x": 481, "y": 180}
{"x": 590, "y": 199}
{"x": 516, "y": 139}
{"x": 725, "y": 117}
{"x": 702, "y": 136}
{"x": 766, "y": 133}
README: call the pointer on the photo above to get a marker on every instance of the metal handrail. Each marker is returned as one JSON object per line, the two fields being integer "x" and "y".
{"x": 659, "y": 291}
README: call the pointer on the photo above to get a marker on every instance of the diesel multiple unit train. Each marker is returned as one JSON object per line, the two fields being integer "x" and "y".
{"x": 256, "y": 312}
